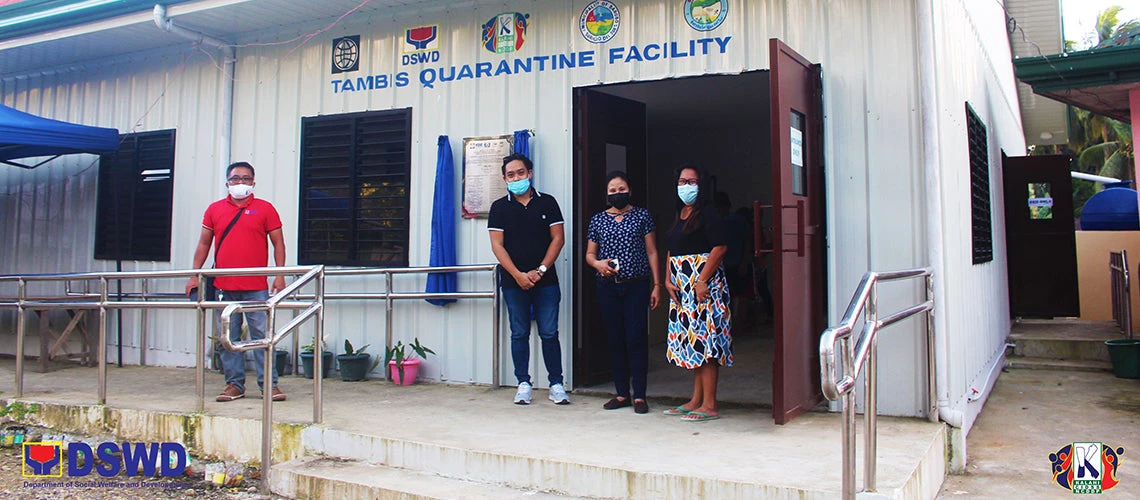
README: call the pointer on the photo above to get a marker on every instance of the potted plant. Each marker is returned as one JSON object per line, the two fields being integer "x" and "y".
{"x": 403, "y": 366}
{"x": 307, "y": 359}
{"x": 354, "y": 363}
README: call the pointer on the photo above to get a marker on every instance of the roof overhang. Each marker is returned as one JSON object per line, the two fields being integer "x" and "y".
{"x": 59, "y": 48}
{"x": 1097, "y": 80}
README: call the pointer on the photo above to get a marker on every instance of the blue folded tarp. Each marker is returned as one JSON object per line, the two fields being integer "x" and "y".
{"x": 23, "y": 135}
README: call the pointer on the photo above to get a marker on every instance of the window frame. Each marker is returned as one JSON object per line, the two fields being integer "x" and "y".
{"x": 304, "y": 252}
{"x": 144, "y": 247}
{"x": 981, "y": 202}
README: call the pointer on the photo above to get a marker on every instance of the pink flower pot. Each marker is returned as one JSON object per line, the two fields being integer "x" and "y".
{"x": 411, "y": 369}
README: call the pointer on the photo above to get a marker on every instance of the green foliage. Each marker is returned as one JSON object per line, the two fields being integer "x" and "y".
{"x": 311, "y": 346}
{"x": 18, "y": 410}
{"x": 398, "y": 353}
{"x": 349, "y": 350}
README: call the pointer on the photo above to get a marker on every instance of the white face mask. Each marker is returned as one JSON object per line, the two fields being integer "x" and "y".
{"x": 240, "y": 191}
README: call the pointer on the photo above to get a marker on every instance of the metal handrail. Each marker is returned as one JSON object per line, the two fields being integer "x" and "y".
{"x": 315, "y": 307}
{"x": 840, "y": 385}
{"x": 1121, "y": 284}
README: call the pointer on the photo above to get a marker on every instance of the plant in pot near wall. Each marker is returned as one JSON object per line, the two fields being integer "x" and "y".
{"x": 354, "y": 363}
{"x": 307, "y": 359}
{"x": 404, "y": 366}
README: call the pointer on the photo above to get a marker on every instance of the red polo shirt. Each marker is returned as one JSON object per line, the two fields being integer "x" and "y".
{"x": 247, "y": 244}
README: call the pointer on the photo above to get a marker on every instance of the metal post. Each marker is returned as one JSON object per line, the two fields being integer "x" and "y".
{"x": 931, "y": 363}
{"x": 870, "y": 403}
{"x": 848, "y": 426}
{"x": 496, "y": 350}
{"x": 143, "y": 328}
{"x": 103, "y": 340}
{"x": 387, "y": 317}
{"x": 318, "y": 398}
{"x": 200, "y": 349}
{"x": 267, "y": 402}
{"x": 21, "y": 324}
{"x": 1127, "y": 293}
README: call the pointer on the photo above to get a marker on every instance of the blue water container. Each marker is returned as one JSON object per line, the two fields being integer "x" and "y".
{"x": 1113, "y": 209}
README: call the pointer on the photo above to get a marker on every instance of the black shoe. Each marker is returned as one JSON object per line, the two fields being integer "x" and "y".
{"x": 616, "y": 403}
{"x": 641, "y": 406}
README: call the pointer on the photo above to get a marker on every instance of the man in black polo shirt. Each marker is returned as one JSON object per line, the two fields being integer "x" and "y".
{"x": 526, "y": 236}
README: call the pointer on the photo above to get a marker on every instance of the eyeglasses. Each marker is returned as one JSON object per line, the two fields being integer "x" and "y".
{"x": 245, "y": 179}
{"x": 692, "y": 182}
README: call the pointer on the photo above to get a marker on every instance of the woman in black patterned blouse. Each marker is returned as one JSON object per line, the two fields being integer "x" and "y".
{"x": 623, "y": 249}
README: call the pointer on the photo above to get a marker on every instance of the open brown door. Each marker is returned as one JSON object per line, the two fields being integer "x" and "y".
{"x": 1040, "y": 237}
{"x": 609, "y": 135}
{"x": 797, "y": 192}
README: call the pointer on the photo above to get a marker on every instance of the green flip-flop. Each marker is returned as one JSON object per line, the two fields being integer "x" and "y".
{"x": 676, "y": 410}
{"x": 696, "y": 416}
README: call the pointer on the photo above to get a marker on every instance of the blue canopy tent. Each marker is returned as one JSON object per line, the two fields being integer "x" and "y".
{"x": 443, "y": 225}
{"x": 23, "y": 135}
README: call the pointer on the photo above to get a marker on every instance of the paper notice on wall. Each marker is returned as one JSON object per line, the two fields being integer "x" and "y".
{"x": 797, "y": 147}
{"x": 482, "y": 173}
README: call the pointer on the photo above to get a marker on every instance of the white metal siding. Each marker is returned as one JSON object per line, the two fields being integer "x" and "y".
{"x": 973, "y": 54}
{"x": 874, "y": 176}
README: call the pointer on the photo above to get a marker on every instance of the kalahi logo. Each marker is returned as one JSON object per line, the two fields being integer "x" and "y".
{"x": 505, "y": 32}
{"x": 421, "y": 45}
{"x": 346, "y": 54}
{"x": 599, "y": 21}
{"x": 45, "y": 459}
{"x": 1086, "y": 468}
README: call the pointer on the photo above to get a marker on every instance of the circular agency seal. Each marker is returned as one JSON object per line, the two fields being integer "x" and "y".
{"x": 345, "y": 54}
{"x": 599, "y": 22}
{"x": 705, "y": 15}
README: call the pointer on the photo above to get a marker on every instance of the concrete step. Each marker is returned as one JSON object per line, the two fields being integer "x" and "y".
{"x": 324, "y": 477}
{"x": 1080, "y": 365}
{"x": 1067, "y": 344}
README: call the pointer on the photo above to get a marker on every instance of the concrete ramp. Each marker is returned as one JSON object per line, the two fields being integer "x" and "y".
{"x": 432, "y": 440}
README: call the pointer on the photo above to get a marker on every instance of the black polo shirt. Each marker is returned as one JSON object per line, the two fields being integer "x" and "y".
{"x": 526, "y": 233}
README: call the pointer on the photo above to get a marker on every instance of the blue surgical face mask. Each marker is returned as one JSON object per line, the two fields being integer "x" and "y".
{"x": 519, "y": 187}
{"x": 688, "y": 193}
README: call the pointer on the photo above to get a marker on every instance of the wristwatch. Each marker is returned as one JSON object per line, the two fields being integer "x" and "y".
{"x": 542, "y": 268}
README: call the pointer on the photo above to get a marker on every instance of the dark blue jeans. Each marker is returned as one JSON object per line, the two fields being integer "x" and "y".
{"x": 625, "y": 311}
{"x": 233, "y": 363}
{"x": 539, "y": 304}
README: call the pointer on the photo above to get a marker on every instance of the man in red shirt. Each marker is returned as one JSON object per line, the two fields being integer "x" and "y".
{"x": 237, "y": 227}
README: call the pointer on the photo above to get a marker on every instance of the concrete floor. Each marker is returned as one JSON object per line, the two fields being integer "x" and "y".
{"x": 745, "y": 446}
{"x": 1032, "y": 413}
{"x": 746, "y": 384}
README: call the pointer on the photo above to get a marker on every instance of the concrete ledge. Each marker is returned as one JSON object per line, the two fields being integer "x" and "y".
{"x": 1075, "y": 365}
{"x": 226, "y": 438}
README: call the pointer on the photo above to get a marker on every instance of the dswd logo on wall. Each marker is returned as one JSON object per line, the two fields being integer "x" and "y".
{"x": 45, "y": 460}
{"x": 600, "y": 21}
{"x": 346, "y": 54}
{"x": 505, "y": 32}
{"x": 1085, "y": 468}
{"x": 705, "y": 15}
{"x": 421, "y": 45}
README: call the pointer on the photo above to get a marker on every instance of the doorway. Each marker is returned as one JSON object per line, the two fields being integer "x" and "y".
{"x": 647, "y": 129}
{"x": 759, "y": 134}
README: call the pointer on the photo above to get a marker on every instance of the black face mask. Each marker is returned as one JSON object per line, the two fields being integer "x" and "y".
{"x": 618, "y": 200}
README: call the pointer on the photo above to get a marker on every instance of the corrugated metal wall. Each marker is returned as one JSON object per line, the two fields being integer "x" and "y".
{"x": 872, "y": 136}
{"x": 973, "y": 54}
{"x": 49, "y": 212}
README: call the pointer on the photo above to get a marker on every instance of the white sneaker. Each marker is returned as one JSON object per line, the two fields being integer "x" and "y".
{"x": 523, "y": 396}
{"x": 558, "y": 395}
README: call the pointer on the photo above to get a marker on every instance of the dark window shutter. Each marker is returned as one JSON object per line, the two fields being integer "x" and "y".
{"x": 135, "y": 197}
{"x": 980, "y": 210}
{"x": 355, "y": 175}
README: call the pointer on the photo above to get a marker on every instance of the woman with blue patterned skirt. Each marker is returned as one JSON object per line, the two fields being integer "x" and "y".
{"x": 622, "y": 248}
{"x": 700, "y": 320}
